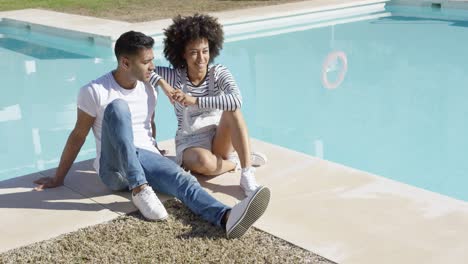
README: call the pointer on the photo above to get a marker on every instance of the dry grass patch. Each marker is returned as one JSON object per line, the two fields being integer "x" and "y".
{"x": 136, "y": 10}
{"x": 184, "y": 238}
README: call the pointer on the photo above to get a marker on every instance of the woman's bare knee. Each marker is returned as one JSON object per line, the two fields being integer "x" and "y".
{"x": 202, "y": 164}
{"x": 208, "y": 162}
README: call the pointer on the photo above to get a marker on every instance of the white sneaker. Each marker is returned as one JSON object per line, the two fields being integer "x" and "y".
{"x": 244, "y": 214}
{"x": 149, "y": 204}
{"x": 248, "y": 182}
{"x": 234, "y": 159}
{"x": 257, "y": 159}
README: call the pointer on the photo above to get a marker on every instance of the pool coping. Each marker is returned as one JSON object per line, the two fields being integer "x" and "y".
{"x": 343, "y": 204}
{"x": 105, "y": 31}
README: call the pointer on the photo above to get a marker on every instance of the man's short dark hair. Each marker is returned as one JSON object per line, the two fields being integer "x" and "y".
{"x": 129, "y": 43}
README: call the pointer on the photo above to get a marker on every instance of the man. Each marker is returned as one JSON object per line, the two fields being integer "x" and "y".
{"x": 119, "y": 106}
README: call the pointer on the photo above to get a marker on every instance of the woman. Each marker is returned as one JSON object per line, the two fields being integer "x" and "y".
{"x": 207, "y": 102}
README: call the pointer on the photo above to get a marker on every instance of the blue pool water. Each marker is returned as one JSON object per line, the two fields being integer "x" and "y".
{"x": 400, "y": 111}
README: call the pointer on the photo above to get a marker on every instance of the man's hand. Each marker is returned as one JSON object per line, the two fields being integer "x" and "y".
{"x": 163, "y": 152}
{"x": 47, "y": 182}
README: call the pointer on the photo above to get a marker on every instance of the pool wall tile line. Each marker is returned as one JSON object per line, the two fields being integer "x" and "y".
{"x": 449, "y": 4}
{"x": 290, "y": 9}
{"x": 303, "y": 21}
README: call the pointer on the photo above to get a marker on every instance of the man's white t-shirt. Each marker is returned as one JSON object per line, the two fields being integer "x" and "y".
{"x": 95, "y": 96}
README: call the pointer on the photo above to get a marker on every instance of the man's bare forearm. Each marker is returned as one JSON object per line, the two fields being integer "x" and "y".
{"x": 72, "y": 148}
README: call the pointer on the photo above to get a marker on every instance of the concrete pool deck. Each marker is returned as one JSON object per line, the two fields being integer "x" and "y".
{"x": 343, "y": 214}
{"x": 340, "y": 213}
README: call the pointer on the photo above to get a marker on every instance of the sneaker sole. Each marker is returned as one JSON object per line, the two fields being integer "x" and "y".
{"x": 162, "y": 219}
{"x": 255, "y": 209}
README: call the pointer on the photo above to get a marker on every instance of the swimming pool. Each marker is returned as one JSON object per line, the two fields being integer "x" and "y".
{"x": 399, "y": 110}
{"x": 41, "y": 75}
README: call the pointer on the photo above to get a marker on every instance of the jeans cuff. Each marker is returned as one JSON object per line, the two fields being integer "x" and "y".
{"x": 136, "y": 184}
{"x": 219, "y": 222}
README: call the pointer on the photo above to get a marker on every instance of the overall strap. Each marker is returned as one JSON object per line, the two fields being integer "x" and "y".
{"x": 183, "y": 79}
{"x": 211, "y": 82}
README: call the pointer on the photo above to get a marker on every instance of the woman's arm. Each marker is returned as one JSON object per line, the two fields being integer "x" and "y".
{"x": 229, "y": 97}
{"x": 165, "y": 78}
{"x": 166, "y": 73}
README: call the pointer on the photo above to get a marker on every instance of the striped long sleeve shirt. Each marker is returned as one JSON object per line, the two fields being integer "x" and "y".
{"x": 226, "y": 97}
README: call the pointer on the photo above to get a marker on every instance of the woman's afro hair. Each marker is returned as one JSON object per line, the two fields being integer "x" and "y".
{"x": 185, "y": 29}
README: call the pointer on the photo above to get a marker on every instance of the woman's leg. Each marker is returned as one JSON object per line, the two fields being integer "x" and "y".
{"x": 204, "y": 162}
{"x": 232, "y": 132}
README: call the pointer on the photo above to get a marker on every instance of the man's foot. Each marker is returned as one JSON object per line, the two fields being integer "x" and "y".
{"x": 149, "y": 204}
{"x": 248, "y": 182}
{"x": 244, "y": 214}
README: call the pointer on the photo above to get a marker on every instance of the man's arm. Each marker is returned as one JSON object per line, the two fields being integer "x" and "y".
{"x": 74, "y": 143}
{"x": 153, "y": 127}
{"x": 153, "y": 133}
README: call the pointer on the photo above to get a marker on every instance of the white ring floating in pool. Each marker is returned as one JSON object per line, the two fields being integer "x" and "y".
{"x": 329, "y": 63}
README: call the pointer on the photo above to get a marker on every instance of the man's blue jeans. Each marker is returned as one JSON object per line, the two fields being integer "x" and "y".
{"x": 122, "y": 166}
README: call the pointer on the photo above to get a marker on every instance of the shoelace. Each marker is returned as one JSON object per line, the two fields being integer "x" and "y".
{"x": 148, "y": 191}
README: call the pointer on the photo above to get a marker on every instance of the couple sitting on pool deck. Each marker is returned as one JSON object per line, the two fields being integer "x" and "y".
{"x": 119, "y": 106}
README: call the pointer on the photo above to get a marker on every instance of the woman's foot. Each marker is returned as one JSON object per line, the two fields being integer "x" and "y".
{"x": 248, "y": 182}
{"x": 257, "y": 159}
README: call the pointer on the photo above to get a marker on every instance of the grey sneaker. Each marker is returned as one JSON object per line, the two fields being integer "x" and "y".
{"x": 149, "y": 204}
{"x": 244, "y": 214}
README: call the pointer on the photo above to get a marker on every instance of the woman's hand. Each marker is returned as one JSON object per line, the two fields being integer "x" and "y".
{"x": 184, "y": 98}
{"x": 178, "y": 96}
{"x": 168, "y": 89}
{"x": 47, "y": 182}
{"x": 170, "y": 95}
